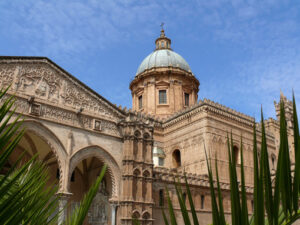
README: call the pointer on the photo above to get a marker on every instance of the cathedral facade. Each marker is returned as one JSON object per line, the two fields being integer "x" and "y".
{"x": 75, "y": 131}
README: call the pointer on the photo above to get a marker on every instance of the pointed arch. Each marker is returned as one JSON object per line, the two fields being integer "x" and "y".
{"x": 135, "y": 214}
{"x": 146, "y": 215}
{"x": 96, "y": 151}
{"x": 136, "y": 172}
{"x": 146, "y": 173}
{"x": 43, "y": 132}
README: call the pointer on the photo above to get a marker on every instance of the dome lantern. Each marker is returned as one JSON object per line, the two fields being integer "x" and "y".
{"x": 162, "y": 42}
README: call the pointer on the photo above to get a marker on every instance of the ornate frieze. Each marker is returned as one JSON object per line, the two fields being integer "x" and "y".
{"x": 63, "y": 116}
{"x": 44, "y": 80}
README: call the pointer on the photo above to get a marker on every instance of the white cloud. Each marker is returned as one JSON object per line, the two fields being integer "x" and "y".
{"x": 65, "y": 26}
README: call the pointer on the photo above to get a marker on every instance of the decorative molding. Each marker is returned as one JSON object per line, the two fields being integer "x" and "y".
{"x": 165, "y": 175}
{"x": 43, "y": 79}
{"x": 209, "y": 106}
{"x": 63, "y": 116}
{"x": 35, "y": 109}
{"x": 97, "y": 125}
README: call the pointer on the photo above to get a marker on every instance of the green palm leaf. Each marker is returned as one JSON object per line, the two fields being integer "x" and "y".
{"x": 296, "y": 183}
{"x": 245, "y": 216}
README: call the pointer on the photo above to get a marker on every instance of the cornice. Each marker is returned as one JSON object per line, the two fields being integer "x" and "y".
{"x": 166, "y": 175}
{"x": 209, "y": 106}
{"x": 158, "y": 71}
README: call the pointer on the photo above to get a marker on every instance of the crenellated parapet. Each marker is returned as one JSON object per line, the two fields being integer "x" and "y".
{"x": 166, "y": 175}
{"x": 207, "y": 105}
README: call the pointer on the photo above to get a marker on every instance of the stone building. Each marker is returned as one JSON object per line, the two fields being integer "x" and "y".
{"x": 75, "y": 131}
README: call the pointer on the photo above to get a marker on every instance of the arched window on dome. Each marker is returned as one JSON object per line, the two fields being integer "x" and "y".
{"x": 176, "y": 158}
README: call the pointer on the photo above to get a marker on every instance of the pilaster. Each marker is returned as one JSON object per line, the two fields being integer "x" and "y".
{"x": 137, "y": 170}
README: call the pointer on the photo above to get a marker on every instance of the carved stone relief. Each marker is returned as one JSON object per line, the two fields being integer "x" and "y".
{"x": 63, "y": 116}
{"x": 44, "y": 82}
{"x": 99, "y": 211}
{"x": 6, "y": 75}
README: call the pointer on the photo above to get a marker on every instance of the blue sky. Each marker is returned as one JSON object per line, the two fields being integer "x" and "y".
{"x": 243, "y": 52}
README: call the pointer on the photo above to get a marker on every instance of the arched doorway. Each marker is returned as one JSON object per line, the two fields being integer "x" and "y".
{"x": 85, "y": 166}
{"x": 33, "y": 144}
{"x": 82, "y": 177}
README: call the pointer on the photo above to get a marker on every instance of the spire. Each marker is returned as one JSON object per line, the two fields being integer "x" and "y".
{"x": 162, "y": 42}
{"x": 162, "y": 32}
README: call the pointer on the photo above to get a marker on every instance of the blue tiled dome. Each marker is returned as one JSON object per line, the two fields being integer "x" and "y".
{"x": 163, "y": 58}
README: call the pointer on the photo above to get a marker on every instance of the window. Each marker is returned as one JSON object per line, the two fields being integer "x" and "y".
{"x": 162, "y": 96}
{"x": 202, "y": 201}
{"x": 273, "y": 162}
{"x": 235, "y": 154}
{"x": 186, "y": 99}
{"x": 161, "y": 161}
{"x": 176, "y": 158}
{"x": 252, "y": 205}
{"x": 140, "y": 101}
{"x": 161, "y": 197}
{"x": 162, "y": 44}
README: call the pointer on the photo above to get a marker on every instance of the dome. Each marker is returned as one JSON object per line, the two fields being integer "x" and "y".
{"x": 163, "y": 58}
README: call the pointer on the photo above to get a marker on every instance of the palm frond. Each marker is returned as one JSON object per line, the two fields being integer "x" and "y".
{"x": 296, "y": 180}
{"x": 245, "y": 216}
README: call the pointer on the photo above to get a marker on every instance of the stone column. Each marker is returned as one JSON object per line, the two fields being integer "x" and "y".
{"x": 113, "y": 213}
{"x": 63, "y": 200}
